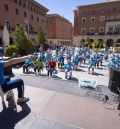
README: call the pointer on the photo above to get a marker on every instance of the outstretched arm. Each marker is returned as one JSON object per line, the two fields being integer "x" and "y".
{"x": 15, "y": 61}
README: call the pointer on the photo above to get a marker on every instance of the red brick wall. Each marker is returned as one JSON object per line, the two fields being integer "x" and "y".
{"x": 58, "y": 28}
{"x": 16, "y": 19}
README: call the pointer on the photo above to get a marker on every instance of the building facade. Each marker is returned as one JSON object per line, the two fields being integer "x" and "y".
{"x": 98, "y": 21}
{"x": 29, "y": 13}
{"x": 59, "y": 30}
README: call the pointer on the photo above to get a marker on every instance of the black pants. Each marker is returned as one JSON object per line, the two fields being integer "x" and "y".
{"x": 37, "y": 68}
{"x": 12, "y": 84}
{"x": 25, "y": 68}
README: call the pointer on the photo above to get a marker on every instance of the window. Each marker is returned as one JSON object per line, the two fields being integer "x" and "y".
{"x": 83, "y": 20}
{"x": 24, "y": 5}
{"x": 31, "y": 8}
{"x": 8, "y": 24}
{"x": 34, "y": 10}
{"x": 92, "y": 30}
{"x": 15, "y": 1}
{"x": 101, "y": 30}
{"x": 83, "y": 30}
{"x": 25, "y": 14}
{"x": 20, "y": 3}
{"x": 110, "y": 29}
{"x": 102, "y": 18}
{"x": 37, "y": 19}
{"x": 112, "y": 17}
{"x": 92, "y": 19}
{"x": 32, "y": 17}
{"x": 114, "y": 9}
{"x": 118, "y": 17}
{"x": 42, "y": 21}
{"x": 17, "y": 11}
{"x": 6, "y": 7}
{"x": 93, "y": 11}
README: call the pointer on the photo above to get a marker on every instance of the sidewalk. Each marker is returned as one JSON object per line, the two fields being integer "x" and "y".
{"x": 53, "y": 110}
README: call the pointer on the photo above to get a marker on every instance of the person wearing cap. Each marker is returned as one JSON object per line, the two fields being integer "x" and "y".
{"x": 6, "y": 84}
{"x": 68, "y": 68}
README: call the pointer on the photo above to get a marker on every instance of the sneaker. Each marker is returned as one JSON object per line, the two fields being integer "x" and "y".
{"x": 22, "y": 100}
{"x": 9, "y": 96}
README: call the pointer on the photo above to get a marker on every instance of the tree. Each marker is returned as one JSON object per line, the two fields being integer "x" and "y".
{"x": 98, "y": 44}
{"x": 24, "y": 45}
{"x": 41, "y": 37}
{"x": 11, "y": 50}
{"x": 88, "y": 42}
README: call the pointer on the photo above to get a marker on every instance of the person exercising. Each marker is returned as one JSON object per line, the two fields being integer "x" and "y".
{"x": 6, "y": 84}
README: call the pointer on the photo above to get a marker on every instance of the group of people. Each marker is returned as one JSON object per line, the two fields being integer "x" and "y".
{"x": 69, "y": 59}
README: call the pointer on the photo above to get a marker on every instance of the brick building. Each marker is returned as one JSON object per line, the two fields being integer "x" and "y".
{"x": 59, "y": 30}
{"x": 98, "y": 21}
{"x": 29, "y": 13}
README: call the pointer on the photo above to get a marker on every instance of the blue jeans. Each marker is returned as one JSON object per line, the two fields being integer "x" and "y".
{"x": 12, "y": 84}
{"x": 50, "y": 71}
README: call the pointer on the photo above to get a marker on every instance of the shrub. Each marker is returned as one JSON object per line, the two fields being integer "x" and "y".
{"x": 11, "y": 50}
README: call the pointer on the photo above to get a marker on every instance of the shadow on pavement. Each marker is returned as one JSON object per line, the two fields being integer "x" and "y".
{"x": 9, "y": 117}
{"x": 98, "y": 74}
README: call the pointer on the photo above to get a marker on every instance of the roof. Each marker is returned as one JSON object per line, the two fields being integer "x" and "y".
{"x": 38, "y": 4}
{"x": 103, "y": 3}
{"x": 57, "y": 15}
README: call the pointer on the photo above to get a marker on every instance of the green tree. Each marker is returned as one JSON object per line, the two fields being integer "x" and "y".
{"x": 41, "y": 37}
{"x": 11, "y": 50}
{"x": 98, "y": 44}
{"x": 88, "y": 42}
{"x": 23, "y": 44}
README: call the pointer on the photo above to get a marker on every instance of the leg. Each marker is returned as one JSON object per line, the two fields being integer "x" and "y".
{"x": 66, "y": 73}
{"x": 48, "y": 72}
{"x": 70, "y": 74}
{"x": 19, "y": 84}
{"x": 88, "y": 70}
{"x": 92, "y": 69}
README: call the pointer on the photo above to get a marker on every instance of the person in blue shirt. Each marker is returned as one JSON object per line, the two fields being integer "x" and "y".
{"x": 6, "y": 84}
{"x": 27, "y": 64}
{"x": 47, "y": 59}
{"x": 60, "y": 61}
{"x": 69, "y": 55}
{"x": 68, "y": 69}
{"x": 91, "y": 65}
{"x": 112, "y": 64}
{"x": 80, "y": 59}
{"x": 75, "y": 62}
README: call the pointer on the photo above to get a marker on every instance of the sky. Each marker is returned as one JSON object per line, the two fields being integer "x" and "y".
{"x": 65, "y": 7}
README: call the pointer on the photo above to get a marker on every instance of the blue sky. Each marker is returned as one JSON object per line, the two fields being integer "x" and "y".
{"x": 65, "y": 7}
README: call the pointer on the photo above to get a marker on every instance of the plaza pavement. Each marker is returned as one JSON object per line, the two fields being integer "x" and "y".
{"x": 57, "y": 103}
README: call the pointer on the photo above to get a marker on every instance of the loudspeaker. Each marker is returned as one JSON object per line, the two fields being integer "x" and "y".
{"x": 115, "y": 74}
{"x": 114, "y": 86}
